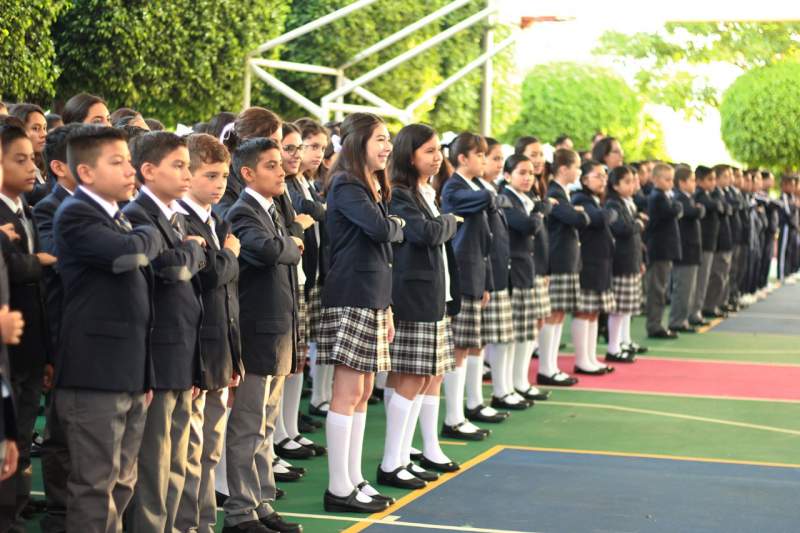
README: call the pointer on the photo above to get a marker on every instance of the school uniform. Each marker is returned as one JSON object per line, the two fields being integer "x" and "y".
{"x": 541, "y": 261}
{"x": 758, "y": 228}
{"x": 30, "y": 355}
{"x": 42, "y": 188}
{"x": 472, "y": 246}
{"x": 738, "y": 236}
{"x": 709, "y": 236}
{"x": 597, "y": 253}
{"x": 772, "y": 209}
{"x": 663, "y": 247}
{"x": 626, "y": 270}
{"x": 788, "y": 234}
{"x": 104, "y": 364}
{"x": 178, "y": 311}
{"x": 8, "y": 417}
{"x": 268, "y": 315}
{"x": 718, "y": 280}
{"x": 220, "y": 357}
{"x": 685, "y": 269}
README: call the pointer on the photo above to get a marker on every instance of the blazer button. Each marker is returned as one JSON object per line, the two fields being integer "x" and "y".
{"x": 390, "y": 265}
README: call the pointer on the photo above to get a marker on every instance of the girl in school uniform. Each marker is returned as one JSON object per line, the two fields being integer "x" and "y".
{"x": 423, "y": 279}
{"x": 357, "y": 323}
{"x": 563, "y": 224}
{"x": 627, "y": 263}
{"x": 461, "y": 195}
{"x": 597, "y": 253}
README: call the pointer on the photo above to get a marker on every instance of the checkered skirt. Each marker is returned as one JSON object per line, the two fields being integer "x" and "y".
{"x": 356, "y": 337}
{"x": 467, "y": 324}
{"x": 564, "y": 290}
{"x": 497, "y": 322}
{"x": 627, "y": 291}
{"x": 541, "y": 298}
{"x": 523, "y": 309}
{"x": 590, "y": 301}
{"x": 314, "y": 311}
{"x": 422, "y": 348}
{"x": 302, "y": 329}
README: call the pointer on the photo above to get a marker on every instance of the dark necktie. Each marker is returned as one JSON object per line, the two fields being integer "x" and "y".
{"x": 273, "y": 213}
{"x": 122, "y": 221}
{"x": 28, "y": 230}
{"x": 176, "y": 225}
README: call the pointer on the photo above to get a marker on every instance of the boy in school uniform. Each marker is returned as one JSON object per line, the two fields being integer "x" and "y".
{"x": 663, "y": 247}
{"x": 220, "y": 346}
{"x": 25, "y": 262}
{"x": 739, "y": 235}
{"x": 772, "y": 209}
{"x": 685, "y": 269}
{"x": 706, "y": 182}
{"x": 104, "y": 372}
{"x": 719, "y": 278}
{"x": 788, "y": 227}
{"x": 268, "y": 305}
{"x": 161, "y": 161}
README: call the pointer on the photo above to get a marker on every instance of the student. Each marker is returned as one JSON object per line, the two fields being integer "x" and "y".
{"x": 597, "y": 256}
{"x": 685, "y": 269}
{"x": 55, "y": 455}
{"x": 25, "y": 262}
{"x": 721, "y": 265}
{"x": 86, "y": 108}
{"x": 733, "y": 196}
{"x": 772, "y": 208}
{"x": 563, "y": 141}
{"x": 357, "y": 322}
{"x": 104, "y": 370}
{"x": 526, "y": 224}
{"x": 461, "y": 196}
{"x": 563, "y": 224}
{"x": 36, "y": 127}
{"x": 608, "y": 152}
{"x": 759, "y": 222}
{"x": 53, "y": 121}
{"x": 788, "y": 228}
{"x": 627, "y": 264}
{"x": 645, "y": 174}
{"x": 161, "y": 161}
{"x": 424, "y": 279}
{"x": 706, "y": 182}
{"x": 220, "y": 345}
{"x": 663, "y": 247}
{"x": 268, "y": 310}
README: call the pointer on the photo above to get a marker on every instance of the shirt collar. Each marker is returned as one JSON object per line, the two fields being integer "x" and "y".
{"x": 198, "y": 209}
{"x": 565, "y": 187}
{"x": 264, "y": 202}
{"x": 13, "y": 205}
{"x": 472, "y": 184}
{"x": 71, "y": 193}
{"x": 109, "y": 207}
{"x": 527, "y": 202}
{"x": 168, "y": 210}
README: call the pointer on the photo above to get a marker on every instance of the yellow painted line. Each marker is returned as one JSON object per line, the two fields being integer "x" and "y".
{"x": 410, "y": 497}
{"x": 682, "y": 395}
{"x": 394, "y": 521}
{"x": 704, "y": 329}
{"x": 458, "y": 442}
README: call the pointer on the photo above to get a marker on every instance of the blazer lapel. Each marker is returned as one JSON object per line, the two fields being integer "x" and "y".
{"x": 161, "y": 221}
{"x": 204, "y": 228}
{"x": 266, "y": 220}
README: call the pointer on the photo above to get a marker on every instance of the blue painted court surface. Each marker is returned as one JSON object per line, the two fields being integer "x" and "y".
{"x": 775, "y": 315}
{"x": 542, "y": 491}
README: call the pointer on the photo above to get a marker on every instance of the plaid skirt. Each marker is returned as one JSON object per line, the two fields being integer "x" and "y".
{"x": 627, "y": 291}
{"x": 590, "y": 301}
{"x": 314, "y": 311}
{"x": 467, "y": 324}
{"x": 564, "y": 290}
{"x": 355, "y": 337}
{"x": 497, "y": 322}
{"x": 541, "y": 298}
{"x": 422, "y": 348}
{"x": 302, "y": 329}
{"x": 523, "y": 309}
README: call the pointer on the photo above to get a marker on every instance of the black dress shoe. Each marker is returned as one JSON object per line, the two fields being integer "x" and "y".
{"x": 684, "y": 329}
{"x": 454, "y": 432}
{"x": 349, "y": 504}
{"x": 635, "y": 348}
{"x": 302, "y": 417}
{"x": 392, "y": 479}
{"x": 388, "y": 499}
{"x": 699, "y": 323}
{"x": 276, "y": 523}
{"x": 220, "y": 498}
{"x": 316, "y": 409}
{"x": 292, "y": 453}
{"x": 287, "y": 477}
{"x": 534, "y": 396}
{"x": 475, "y": 415}
{"x": 621, "y": 357}
{"x": 439, "y": 467}
{"x": 598, "y": 372}
{"x": 318, "y": 450}
{"x": 279, "y": 493}
{"x": 501, "y": 403}
{"x": 421, "y": 473}
{"x": 253, "y": 526}
{"x": 663, "y": 334}
{"x": 535, "y": 354}
{"x": 568, "y": 381}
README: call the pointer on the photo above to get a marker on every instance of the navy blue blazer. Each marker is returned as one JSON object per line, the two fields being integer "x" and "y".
{"x": 627, "y": 232}
{"x": 418, "y": 276}
{"x": 267, "y": 289}
{"x": 563, "y": 225}
{"x": 178, "y": 308}
{"x": 314, "y": 260}
{"x": 523, "y": 230}
{"x": 690, "y": 230}
{"x": 733, "y": 197}
{"x": 663, "y": 235}
{"x": 541, "y": 243}
{"x": 361, "y": 234}
{"x": 710, "y": 223}
{"x": 597, "y": 243}
{"x": 220, "y": 343}
{"x": 472, "y": 243}
{"x": 500, "y": 254}
{"x": 104, "y": 341}
{"x": 725, "y": 235}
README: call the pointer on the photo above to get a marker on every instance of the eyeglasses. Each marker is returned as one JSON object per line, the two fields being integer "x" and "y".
{"x": 292, "y": 149}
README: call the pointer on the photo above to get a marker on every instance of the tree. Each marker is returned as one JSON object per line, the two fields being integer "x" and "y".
{"x": 27, "y": 69}
{"x": 580, "y": 100}
{"x": 668, "y": 58}
{"x": 760, "y": 115}
{"x": 180, "y": 61}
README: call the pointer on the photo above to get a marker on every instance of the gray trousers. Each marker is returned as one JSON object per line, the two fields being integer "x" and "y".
{"x": 738, "y": 266}
{"x": 717, "y": 291}
{"x": 197, "y": 510}
{"x": 703, "y": 273}
{"x": 162, "y": 463}
{"x": 684, "y": 282}
{"x": 248, "y": 448}
{"x": 657, "y": 278}
{"x": 104, "y": 431}
{"x": 55, "y": 470}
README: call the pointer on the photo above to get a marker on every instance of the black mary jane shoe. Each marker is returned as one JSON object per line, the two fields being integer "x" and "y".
{"x": 421, "y": 473}
{"x": 317, "y": 410}
{"x": 308, "y": 419}
{"x": 454, "y": 432}
{"x": 501, "y": 403}
{"x": 392, "y": 479}
{"x": 318, "y": 449}
{"x": 292, "y": 453}
{"x": 445, "y": 468}
{"x": 388, "y": 499}
{"x": 621, "y": 357}
{"x": 534, "y": 396}
{"x": 556, "y": 380}
{"x": 416, "y": 455}
{"x": 477, "y": 415}
{"x": 599, "y": 372}
{"x": 350, "y": 504}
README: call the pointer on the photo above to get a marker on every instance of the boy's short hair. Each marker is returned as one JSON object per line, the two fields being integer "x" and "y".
{"x": 152, "y": 147}
{"x": 85, "y": 143}
{"x": 11, "y": 132}
{"x": 205, "y": 149}
{"x": 702, "y": 172}
{"x": 719, "y": 170}
{"x": 683, "y": 172}
{"x": 661, "y": 169}
{"x": 55, "y": 146}
{"x": 246, "y": 154}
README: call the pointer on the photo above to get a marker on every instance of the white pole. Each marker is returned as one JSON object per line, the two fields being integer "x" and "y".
{"x": 488, "y": 77}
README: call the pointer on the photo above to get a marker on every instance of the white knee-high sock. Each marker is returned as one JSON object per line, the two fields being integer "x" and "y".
{"x": 555, "y": 347}
{"x": 580, "y": 339}
{"x": 592, "y": 343}
{"x": 474, "y": 381}
{"x": 497, "y": 354}
{"x": 292, "y": 391}
{"x": 509, "y": 381}
{"x": 312, "y": 361}
{"x": 411, "y": 426}
{"x": 615, "y": 326}
{"x": 429, "y": 426}
{"x": 356, "y": 446}
{"x": 454, "y": 395}
{"x": 280, "y": 434}
{"x": 626, "y": 329}
{"x": 338, "y": 430}
{"x": 545, "y": 348}
{"x": 522, "y": 364}
{"x": 380, "y": 380}
{"x": 388, "y": 393}
{"x": 397, "y": 411}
